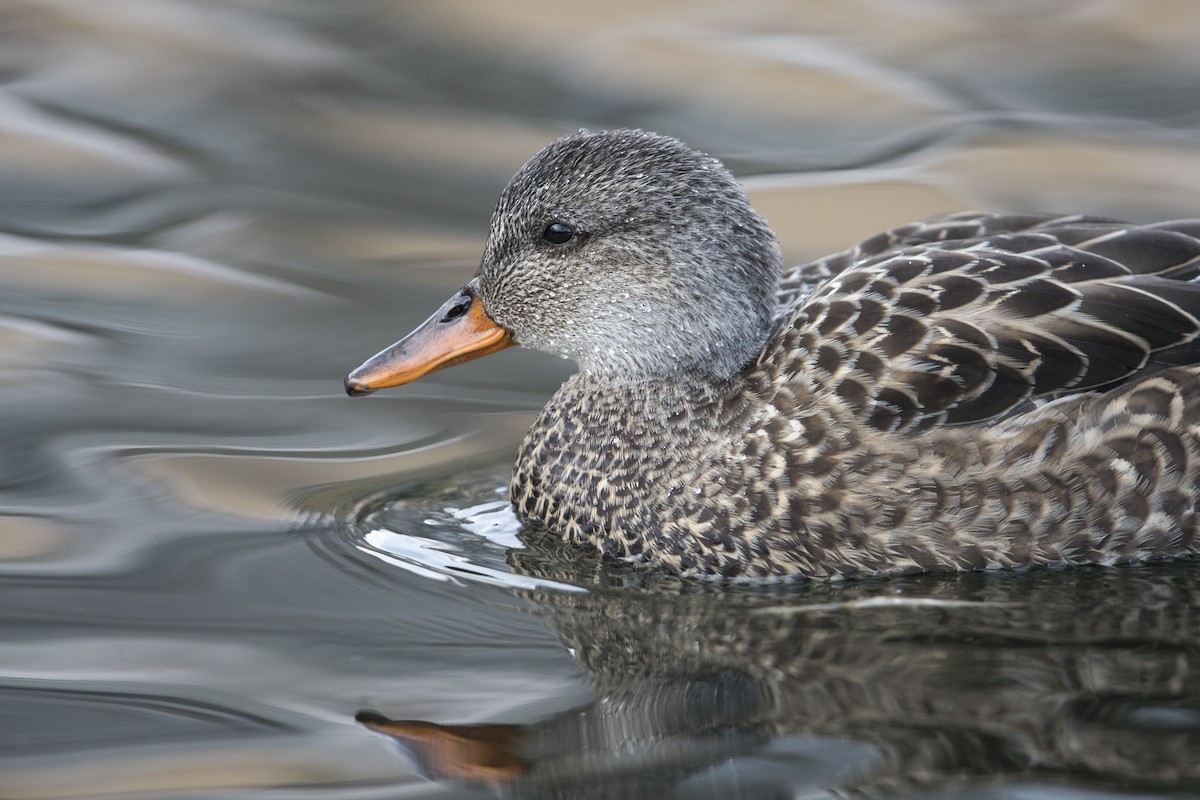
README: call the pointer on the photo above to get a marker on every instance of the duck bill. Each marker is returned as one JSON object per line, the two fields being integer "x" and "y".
{"x": 459, "y": 331}
{"x": 462, "y": 752}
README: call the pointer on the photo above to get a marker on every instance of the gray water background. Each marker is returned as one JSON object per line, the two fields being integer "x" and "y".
{"x": 211, "y": 559}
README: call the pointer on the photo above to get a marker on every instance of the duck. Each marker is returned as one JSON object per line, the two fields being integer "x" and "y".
{"x": 971, "y": 392}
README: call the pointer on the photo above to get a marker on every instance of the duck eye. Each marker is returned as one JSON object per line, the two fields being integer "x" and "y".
{"x": 558, "y": 233}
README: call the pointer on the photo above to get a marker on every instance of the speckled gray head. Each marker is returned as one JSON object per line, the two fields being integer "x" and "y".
{"x": 632, "y": 254}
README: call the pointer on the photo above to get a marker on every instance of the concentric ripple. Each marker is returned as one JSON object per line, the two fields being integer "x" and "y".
{"x": 459, "y": 531}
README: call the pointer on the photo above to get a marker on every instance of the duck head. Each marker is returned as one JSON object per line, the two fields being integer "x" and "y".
{"x": 626, "y": 251}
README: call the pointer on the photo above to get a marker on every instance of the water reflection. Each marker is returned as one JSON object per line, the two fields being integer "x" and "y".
{"x": 938, "y": 684}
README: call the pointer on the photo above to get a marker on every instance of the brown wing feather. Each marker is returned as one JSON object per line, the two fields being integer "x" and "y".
{"x": 801, "y": 280}
{"x": 964, "y": 318}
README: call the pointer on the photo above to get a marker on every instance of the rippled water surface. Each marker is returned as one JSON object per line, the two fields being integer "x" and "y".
{"x": 213, "y": 561}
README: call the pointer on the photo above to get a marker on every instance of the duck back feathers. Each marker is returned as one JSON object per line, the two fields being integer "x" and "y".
{"x": 964, "y": 318}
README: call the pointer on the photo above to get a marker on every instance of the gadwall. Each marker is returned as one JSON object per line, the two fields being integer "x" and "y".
{"x": 971, "y": 392}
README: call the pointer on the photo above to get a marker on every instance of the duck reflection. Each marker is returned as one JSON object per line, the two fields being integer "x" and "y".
{"x": 1085, "y": 679}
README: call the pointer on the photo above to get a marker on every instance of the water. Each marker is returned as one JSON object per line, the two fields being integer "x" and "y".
{"x": 212, "y": 560}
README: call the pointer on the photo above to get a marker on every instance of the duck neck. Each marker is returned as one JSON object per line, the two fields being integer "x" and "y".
{"x": 648, "y": 390}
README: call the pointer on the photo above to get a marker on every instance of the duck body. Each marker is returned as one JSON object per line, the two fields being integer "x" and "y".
{"x": 971, "y": 392}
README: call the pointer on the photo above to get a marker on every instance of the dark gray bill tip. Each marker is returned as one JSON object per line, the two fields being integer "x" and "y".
{"x": 356, "y": 389}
